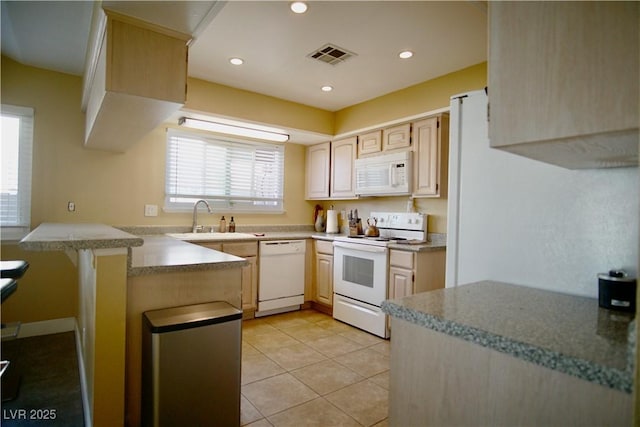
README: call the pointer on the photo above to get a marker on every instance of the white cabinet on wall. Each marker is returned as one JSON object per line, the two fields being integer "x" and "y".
{"x": 318, "y": 171}
{"x": 343, "y": 155}
{"x": 396, "y": 137}
{"x": 136, "y": 79}
{"x": 369, "y": 143}
{"x": 431, "y": 156}
{"x": 563, "y": 81}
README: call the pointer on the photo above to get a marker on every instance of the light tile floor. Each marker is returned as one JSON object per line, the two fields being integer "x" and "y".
{"x": 304, "y": 368}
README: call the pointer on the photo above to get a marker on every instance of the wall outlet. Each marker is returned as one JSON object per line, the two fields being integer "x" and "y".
{"x": 150, "y": 210}
{"x": 71, "y": 207}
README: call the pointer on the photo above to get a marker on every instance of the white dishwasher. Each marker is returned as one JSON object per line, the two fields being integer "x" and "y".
{"x": 281, "y": 278}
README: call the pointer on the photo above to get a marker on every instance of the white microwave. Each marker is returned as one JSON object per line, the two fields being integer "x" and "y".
{"x": 384, "y": 175}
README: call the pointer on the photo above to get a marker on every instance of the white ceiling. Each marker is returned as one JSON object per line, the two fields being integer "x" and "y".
{"x": 274, "y": 42}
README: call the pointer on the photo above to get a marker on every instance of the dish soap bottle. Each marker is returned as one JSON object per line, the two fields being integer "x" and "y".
{"x": 232, "y": 226}
{"x": 223, "y": 225}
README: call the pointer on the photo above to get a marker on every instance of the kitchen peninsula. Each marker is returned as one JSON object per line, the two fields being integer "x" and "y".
{"x": 491, "y": 353}
{"x": 121, "y": 275}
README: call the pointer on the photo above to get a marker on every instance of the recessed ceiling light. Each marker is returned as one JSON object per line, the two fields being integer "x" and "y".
{"x": 327, "y": 88}
{"x": 299, "y": 7}
{"x": 405, "y": 54}
{"x": 236, "y": 61}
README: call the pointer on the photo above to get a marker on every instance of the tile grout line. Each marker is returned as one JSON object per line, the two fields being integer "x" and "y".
{"x": 282, "y": 326}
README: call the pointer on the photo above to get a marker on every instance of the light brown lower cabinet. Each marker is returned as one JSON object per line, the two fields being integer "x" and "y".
{"x": 249, "y": 251}
{"x": 413, "y": 272}
{"x": 437, "y": 380}
{"x": 323, "y": 273}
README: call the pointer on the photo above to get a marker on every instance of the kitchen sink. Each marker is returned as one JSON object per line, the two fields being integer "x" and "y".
{"x": 192, "y": 237}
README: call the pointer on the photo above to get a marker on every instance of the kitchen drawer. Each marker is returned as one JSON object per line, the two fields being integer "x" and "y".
{"x": 402, "y": 259}
{"x": 324, "y": 247}
{"x": 241, "y": 249}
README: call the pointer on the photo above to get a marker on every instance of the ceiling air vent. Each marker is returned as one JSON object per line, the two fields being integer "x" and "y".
{"x": 331, "y": 54}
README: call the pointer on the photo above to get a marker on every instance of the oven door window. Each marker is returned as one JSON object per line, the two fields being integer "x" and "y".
{"x": 358, "y": 270}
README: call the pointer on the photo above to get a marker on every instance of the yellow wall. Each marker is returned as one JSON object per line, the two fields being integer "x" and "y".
{"x": 113, "y": 188}
{"x": 417, "y": 99}
{"x": 227, "y": 101}
{"x": 48, "y": 290}
{"x": 424, "y": 97}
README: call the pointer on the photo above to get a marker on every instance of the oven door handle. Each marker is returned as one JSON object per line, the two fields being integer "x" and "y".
{"x": 358, "y": 247}
{"x": 356, "y": 306}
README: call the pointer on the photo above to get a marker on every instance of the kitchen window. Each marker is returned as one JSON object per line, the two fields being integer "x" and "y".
{"x": 15, "y": 164}
{"x": 232, "y": 175}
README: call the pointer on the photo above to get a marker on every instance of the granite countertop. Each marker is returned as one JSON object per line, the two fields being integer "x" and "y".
{"x": 61, "y": 237}
{"x": 570, "y": 334}
{"x": 161, "y": 254}
{"x": 240, "y": 237}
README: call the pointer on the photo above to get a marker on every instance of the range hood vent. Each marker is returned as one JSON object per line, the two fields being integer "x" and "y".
{"x": 331, "y": 54}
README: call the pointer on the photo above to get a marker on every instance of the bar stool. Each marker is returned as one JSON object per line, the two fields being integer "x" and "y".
{"x": 14, "y": 269}
{"x": 10, "y": 272}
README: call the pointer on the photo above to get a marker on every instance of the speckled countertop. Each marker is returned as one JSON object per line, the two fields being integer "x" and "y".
{"x": 161, "y": 254}
{"x": 566, "y": 333}
{"x": 61, "y": 237}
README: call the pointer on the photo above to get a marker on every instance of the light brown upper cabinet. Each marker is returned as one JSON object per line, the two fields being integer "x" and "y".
{"x": 563, "y": 81}
{"x": 343, "y": 177}
{"x": 317, "y": 173}
{"x": 396, "y": 137}
{"x": 431, "y": 156}
{"x": 136, "y": 78}
{"x": 369, "y": 143}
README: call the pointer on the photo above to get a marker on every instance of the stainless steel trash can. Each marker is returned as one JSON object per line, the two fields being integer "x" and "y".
{"x": 191, "y": 366}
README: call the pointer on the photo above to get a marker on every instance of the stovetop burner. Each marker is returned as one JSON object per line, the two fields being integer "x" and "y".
{"x": 407, "y": 228}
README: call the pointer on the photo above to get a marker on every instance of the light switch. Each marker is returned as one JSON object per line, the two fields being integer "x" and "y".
{"x": 150, "y": 210}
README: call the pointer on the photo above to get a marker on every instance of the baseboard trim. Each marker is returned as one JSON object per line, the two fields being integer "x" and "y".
{"x": 322, "y": 308}
{"x": 47, "y": 327}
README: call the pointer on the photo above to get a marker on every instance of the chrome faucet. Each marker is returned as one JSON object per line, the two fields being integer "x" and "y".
{"x": 195, "y": 227}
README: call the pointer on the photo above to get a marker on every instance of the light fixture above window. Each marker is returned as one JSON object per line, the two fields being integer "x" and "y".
{"x": 236, "y": 61}
{"x": 405, "y": 54}
{"x": 298, "y": 7}
{"x": 235, "y": 130}
{"x": 327, "y": 88}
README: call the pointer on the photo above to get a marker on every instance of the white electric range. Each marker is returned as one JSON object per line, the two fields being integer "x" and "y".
{"x": 361, "y": 267}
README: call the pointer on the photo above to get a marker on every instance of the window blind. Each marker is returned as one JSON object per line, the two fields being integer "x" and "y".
{"x": 15, "y": 185}
{"x": 232, "y": 175}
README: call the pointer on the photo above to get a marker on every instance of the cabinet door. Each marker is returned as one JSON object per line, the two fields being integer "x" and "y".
{"x": 324, "y": 279}
{"x": 563, "y": 81}
{"x": 396, "y": 137}
{"x": 241, "y": 249}
{"x": 343, "y": 155}
{"x": 400, "y": 282}
{"x": 210, "y": 245}
{"x": 369, "y": 143}
{"x": 250, "y": 284}
{"x": 317, "y": 171}
{"x": 430, "y": 152}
